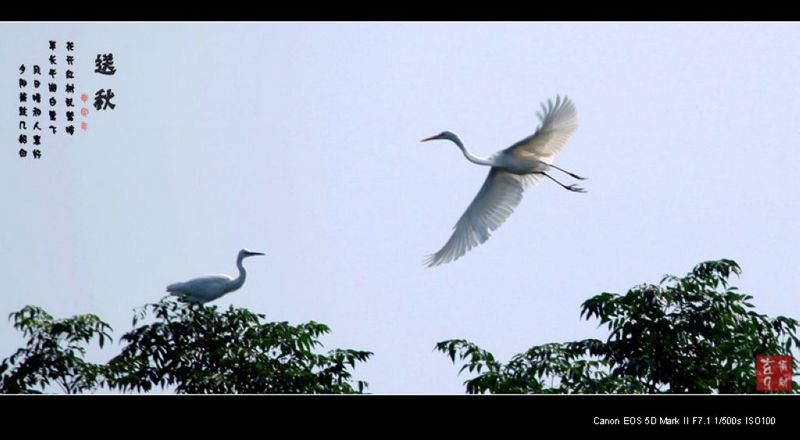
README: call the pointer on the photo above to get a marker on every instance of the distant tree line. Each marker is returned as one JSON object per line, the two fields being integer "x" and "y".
{"x": 695, "y": 334}
{"x": 192, "y": 348}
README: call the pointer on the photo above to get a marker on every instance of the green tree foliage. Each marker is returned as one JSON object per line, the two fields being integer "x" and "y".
{"x": 192, "y": 349}
{"x": 200, "y": 350}
{"x": 694, "y": 334}
{"x": 53, "y": 353}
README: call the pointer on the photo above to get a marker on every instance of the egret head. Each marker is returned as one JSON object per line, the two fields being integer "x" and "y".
{"x": 244, "y": 253}
{"x": 443, "y": 135}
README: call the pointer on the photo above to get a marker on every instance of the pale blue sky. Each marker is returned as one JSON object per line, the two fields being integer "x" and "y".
{"x": 302, "y": 140}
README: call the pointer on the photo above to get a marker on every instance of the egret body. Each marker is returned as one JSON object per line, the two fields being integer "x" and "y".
{"x": 204, "y": 289}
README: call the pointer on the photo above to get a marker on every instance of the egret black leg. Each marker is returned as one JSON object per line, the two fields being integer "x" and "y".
{"x": 573, "y": 188}
{"x": 571, "y": 174}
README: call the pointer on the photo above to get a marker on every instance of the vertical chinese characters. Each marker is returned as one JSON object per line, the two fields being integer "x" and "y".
{"x": 23, "y": 112}
{"x": 52, "y": 88}
{"x": 69, "y": 89}
{"x": 35, "y": 114}
{"x": 46, "y": 97}
{"x": 104, "y": 65}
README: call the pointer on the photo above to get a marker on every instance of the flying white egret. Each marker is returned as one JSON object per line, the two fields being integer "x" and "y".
{"x": 513, "y": 169}
{"x": 204, "y": 289}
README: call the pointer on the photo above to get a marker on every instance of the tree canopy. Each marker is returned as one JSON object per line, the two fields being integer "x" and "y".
{"x": 191, "y": 348}
{"x": 695, "y": 334}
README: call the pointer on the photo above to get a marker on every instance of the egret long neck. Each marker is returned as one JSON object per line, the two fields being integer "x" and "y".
{"x": 237, "y": 283}
{"x": 471, "y": 157}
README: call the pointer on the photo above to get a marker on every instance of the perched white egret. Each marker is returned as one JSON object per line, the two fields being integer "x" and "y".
{"x": 513, "y": 169}
{"x": 204, "y": 289}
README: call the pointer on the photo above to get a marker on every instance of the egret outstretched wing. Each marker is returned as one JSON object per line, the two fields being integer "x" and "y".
{"x": 558, "y": 122}
{"x": 496, "y": 200}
